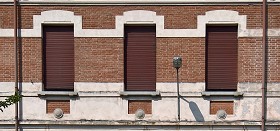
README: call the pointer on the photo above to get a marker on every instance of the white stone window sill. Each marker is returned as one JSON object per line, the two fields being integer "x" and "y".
{"x": 221, "y": 93}
{"x": 57, "y": 93}
{"x": 139, "y": 93}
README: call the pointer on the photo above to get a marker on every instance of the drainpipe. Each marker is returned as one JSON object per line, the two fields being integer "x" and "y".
{"x": 264, "y": 63}
{"x": 16, "y": 62}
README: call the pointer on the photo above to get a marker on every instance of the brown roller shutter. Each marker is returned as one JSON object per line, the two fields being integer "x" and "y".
{"x": 140, "y": 58}
{"x": 221, "y": 62}
{"x": 58, "y": 45}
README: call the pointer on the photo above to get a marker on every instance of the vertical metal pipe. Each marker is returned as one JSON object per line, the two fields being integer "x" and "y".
{"x": 178, "y": 94}
{"x": 264, "y": 63}
{"x": 16, "y": 62}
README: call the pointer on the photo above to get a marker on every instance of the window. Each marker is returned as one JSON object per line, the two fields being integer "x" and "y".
{"x": 140, "y": 58}
{"x": 58, "y": 53}
{"x": 221, "y": 58}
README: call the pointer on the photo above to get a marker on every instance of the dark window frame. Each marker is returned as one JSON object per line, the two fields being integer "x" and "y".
{"x": 44, "y": 58}
{"x": 220, "y": 28}
{"x": 126, "y": 88}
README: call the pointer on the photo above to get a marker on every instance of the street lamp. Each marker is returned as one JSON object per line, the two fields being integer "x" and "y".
{"x": 177, "y": 63}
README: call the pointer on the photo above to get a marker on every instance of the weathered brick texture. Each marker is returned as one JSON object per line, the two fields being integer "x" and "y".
{"x": 134, "y": 105}
{"x": 273, "y": 16}
{"x": 99, "y": 59}
{"x": 102, "y": 59}
{"x": 6, "y": 17}
{"x": 192, "y": 51}
{"x": 62, "y": 104}
{"x": 273, "y": 62}
{"x": 250, "y": 59}
{"x": 30, "y": 59}
{"x": 7, "y": 60}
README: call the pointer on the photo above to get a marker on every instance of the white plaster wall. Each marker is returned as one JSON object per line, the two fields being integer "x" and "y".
{"x": 99, "y": 109}
{"x": 114, "y": 89}
{"x": 8, "y": 113}
{"x": 164, "y": 109}
{"x": 113, "y": 109}
{"x": 175, "y": 128}
{"x": 248, "y": 109}
{"x": 273, "y": 108}
{"x": 273, "y": 87}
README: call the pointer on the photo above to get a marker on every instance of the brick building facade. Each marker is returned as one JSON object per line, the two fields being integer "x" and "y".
{"x": 102, "y": 74}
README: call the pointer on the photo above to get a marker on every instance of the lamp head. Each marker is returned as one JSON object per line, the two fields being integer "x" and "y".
{"x": 177, "y": 62}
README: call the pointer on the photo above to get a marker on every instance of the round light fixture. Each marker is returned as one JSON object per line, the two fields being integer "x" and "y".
{"x": 221, "y": 114}
{"x": 58, "y": 113}
{"x": 140, "y": 114}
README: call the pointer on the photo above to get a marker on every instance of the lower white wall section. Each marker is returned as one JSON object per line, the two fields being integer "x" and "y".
{"x": 164, "y": 109}
{"x": 142, "y": 128}
{"x": 101, "y": 104}
{"x": 109, "y": 111}
{"x": 8, "y": 113}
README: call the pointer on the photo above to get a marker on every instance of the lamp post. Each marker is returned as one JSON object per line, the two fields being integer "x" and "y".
{"x": 177, "y": 63}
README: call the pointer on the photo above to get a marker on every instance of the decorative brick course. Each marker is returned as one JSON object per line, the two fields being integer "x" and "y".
{"x": 221, "y": 105}
{"x": 176, "y": 17}
{"x": 134, "y": 105}
{"x": 62, "y": 104}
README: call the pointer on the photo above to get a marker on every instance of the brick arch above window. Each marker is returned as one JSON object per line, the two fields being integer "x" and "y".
{"x": 56, "y": 17}
{"x": 140, "y": 17}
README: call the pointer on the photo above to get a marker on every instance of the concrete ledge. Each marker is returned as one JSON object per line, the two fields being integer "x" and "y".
{"x": 136, "y": 122}
{"x": 140, "y": 93}
{"x": 57, "y": 93}
{"x": 222, "y": 93}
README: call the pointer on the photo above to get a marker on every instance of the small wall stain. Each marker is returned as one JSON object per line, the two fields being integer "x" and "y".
{"x": 245, "y": 110}
{"x": 277, "y": 106}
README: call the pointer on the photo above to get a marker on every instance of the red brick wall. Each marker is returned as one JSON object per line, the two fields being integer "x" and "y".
{"x": 30, "y": 59}
{"x": 192, "y": 51}
{"x": 7, "y": 61}
{"x": 273, "y": 61}
{"x": 273, "y": 16}
{"x": 250, "y": 59}
{"x": 101, "y": 59}
{"x": 6, "y": 17}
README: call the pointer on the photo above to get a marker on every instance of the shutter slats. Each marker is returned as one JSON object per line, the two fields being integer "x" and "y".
{"x": 59, "y": 58}
{"x": 140, "y": 52}
{"x": 222, "y": 59}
